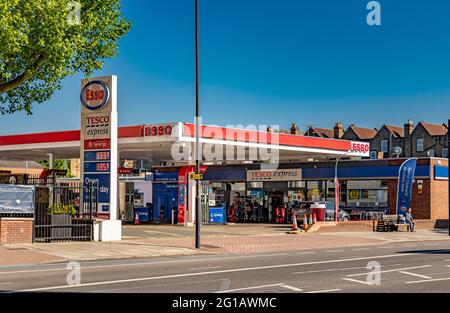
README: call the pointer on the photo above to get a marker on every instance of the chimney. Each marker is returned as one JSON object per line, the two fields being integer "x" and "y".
{"x": 294, "y": 129}
{"x": 339, "y": 130}
{"x": 407, "y": 144}
{"x": 269, "y": 129}
{"x": 409, "y": 127}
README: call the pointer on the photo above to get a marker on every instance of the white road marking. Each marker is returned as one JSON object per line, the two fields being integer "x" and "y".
{"x": 356, "y": 281}
{"x": 339, "y": 269}
{"x": 432, "y": 244}
{"x": 389, "y": 271}
{"x": 325, "y": 291}
{"x": 361, "y": 249}
{"x": 142, "y": 263}
{"x": 251, "y": 288}
{"x": 348, "y": 256}
{"x": 205, "y": 268}
{"x": 417, "y": 275}
{"x": 214, "y": 272}
{"x": 334, "y": 251}
{"x": 409, "y": 246}
{"x": 291, "y": 288}
{"x": 329, "y": 270}
{"x": 307, "y": 252}
{"x": 427, "y": 281}
{"x": 386, "y": 247}
{"x": 8, "y": 283}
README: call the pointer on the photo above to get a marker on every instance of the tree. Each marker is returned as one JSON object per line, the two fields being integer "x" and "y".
{"x": 42, "y": 42}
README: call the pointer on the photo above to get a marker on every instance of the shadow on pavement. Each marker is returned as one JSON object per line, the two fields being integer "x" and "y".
{"x": 426, "y": 252}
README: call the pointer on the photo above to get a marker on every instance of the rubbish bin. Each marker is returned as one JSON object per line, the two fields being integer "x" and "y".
{"x": 320, "y": 214}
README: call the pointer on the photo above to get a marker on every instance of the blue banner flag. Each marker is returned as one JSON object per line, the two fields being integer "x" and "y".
{"x": 405, "y": 185}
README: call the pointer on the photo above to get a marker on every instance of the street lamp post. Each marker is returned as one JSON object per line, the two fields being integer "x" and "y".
{"x": 197, "y": 134}
{"x": 337, "y": 187}
{"x": 448, "y": 155}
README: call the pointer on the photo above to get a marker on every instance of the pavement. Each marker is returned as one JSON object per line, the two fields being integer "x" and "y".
{"x": 166, "y": 241}
{"x": 411, "y": 267}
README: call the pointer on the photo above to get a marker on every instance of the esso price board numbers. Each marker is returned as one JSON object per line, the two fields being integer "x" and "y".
{"x": 103, "y": 167}
{"x": 97, "y": 156}
{"x": 103, "y": 156}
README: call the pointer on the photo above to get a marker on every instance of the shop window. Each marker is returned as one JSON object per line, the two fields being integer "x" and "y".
{"x": 420, "y": 145}
{"x": 385, "y": 146}
{"x": 445, "y": 153}
{"x": 316, "y": 191}
{"x": 431, "y": 153}
{"x": 367, "y": 194}
{"x": 373, "y": 155}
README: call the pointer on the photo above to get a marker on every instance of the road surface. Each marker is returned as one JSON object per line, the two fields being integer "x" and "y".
{"x": 405, "y": 267}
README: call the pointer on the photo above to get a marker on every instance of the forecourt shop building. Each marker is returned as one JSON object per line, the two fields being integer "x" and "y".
{"x": 160, "y": 143}
{"x": 246, "y": 189}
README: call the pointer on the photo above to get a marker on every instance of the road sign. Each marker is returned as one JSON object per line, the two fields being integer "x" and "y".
{"x": 197, "y": 176}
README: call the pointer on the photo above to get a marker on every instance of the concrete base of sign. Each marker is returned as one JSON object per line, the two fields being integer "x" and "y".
{"x": 96, "y": 231}
{"x": 110, "y": 230}
{"x": 190, "y": 224}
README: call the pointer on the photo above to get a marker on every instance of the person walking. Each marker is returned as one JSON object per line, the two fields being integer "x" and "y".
{"x": 410, "y": 220}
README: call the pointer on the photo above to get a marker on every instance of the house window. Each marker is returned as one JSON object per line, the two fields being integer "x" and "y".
{"x": 419, "y": 146}
{"x": 431, "y": 153}
{"x": 445, "y": 153}
{"x": 384, "y": 146}
{"x": 373, "y": 155}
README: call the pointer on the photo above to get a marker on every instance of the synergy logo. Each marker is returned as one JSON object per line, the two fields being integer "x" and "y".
{"x": 95, "y": 95}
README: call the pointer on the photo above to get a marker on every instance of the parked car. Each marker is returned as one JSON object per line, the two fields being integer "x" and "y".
{"x": 304, "y": 208}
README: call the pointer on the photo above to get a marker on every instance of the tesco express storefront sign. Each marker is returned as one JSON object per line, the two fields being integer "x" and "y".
{"x": 277, "y": 175}
{"x": 95, "y": 95}
{"x": 360, "y": 148}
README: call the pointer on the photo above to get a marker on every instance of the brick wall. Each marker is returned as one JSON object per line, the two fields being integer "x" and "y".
{"x": 16, "y": 230}
{"x": 439, "y": 193}
{"x": 432, "y": 203}
{"x": 420, "y": 202}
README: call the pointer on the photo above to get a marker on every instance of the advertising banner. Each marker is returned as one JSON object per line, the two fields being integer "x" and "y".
{"x": 405, "y": 185}
{"x": 16, "y": 199}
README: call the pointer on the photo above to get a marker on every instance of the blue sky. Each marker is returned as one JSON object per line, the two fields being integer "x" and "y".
{"x": 272, "y": 62}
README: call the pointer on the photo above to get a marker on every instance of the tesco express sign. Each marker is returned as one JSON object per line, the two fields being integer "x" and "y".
{"x": 362, "y": 148}
{"x": 95, "y": 95}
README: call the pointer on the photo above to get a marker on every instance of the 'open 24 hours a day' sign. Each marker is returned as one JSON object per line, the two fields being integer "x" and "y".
{"x": 99, "y": 140}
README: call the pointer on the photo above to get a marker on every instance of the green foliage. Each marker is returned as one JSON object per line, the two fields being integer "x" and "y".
{"x": 58, "y": 165}
{"x": 39, "y": 46}
{"x": 62, "y": 209}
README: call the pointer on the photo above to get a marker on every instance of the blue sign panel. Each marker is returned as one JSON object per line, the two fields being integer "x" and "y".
{"x": 441, "y": 172}
{"x": 217, "y": 215}
{"x": 104, "y": 187}
{"x": 171, "y": 177}
{"x": 405, "y": 185}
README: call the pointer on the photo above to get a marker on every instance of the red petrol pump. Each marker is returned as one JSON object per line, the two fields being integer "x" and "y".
{"x": 280, "y": 213}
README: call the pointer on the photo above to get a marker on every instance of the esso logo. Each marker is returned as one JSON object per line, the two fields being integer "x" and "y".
{"x": 154, "y": 131}
{"x": 95, "y": 95}
{"x": 363, "y": 148}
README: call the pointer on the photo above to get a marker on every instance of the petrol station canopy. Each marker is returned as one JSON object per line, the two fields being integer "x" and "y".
{"x": 155, "y": 142}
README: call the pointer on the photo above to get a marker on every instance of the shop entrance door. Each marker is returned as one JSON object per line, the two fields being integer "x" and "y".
{"x": 275, "y": 200}
{"x": 160, "y": 208}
